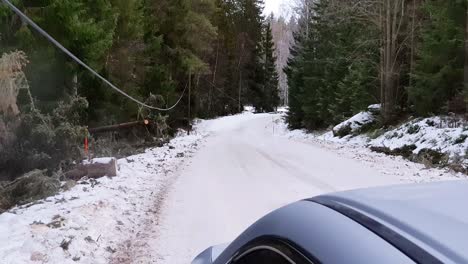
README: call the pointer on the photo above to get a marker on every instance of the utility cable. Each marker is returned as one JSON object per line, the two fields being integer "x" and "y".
{"x": 219, "y": 89}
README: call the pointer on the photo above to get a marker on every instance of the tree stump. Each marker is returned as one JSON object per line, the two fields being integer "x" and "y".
{"x": 95, "y": 168}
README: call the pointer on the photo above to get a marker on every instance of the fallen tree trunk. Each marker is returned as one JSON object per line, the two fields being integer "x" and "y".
{"x": 111, "y": 128}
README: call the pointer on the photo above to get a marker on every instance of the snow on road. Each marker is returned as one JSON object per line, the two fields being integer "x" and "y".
{"x": 171, "y": 203}
{"x": 247, "y": 168}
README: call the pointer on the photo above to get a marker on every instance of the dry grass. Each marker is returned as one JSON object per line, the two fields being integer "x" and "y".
{"x": 12, "y": 79}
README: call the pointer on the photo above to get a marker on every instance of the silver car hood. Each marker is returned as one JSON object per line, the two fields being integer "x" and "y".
{"x": 210, "y": 255}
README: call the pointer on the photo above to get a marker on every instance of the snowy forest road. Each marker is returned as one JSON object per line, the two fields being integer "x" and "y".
{"x": 242, "y": 172}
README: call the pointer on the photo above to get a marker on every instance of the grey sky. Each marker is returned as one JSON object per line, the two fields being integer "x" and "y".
{"x": 275, "y": 6}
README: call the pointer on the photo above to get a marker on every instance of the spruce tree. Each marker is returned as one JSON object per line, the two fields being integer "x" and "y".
{"x": 332, "y": 74}
{"x": 438, "y": 72}
{"x": 295, "y": 71}
{"x": 250, "y": 50}
{"x": 271, "y": 92}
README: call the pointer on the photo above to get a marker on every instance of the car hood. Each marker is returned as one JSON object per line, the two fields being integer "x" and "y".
{"x": 433, "y": 216}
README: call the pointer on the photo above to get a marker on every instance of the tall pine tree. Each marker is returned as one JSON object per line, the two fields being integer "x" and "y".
{"x": 271, "y": 89}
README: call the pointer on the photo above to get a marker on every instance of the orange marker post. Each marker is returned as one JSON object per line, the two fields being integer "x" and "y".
{"x": 86, "y": 145}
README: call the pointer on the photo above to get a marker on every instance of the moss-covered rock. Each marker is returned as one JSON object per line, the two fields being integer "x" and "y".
{"x": 431, "y": 157}
{"x": 461, "y": 139}
{"x": 405, "y": 151}
{"x": 428, "y": 157}
{"x": 413, "y": 129}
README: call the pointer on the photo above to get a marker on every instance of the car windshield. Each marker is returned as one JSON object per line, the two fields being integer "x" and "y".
{"x": 145, "y": 131}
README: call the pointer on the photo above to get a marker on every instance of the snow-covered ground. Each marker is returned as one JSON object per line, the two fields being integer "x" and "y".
{"x": 356, "y": 147}
{"x": 96, "y": 221}
{"x": 446, "y": 135}
{"x": 170, "y": 203}
{"x": 436, "y": 133}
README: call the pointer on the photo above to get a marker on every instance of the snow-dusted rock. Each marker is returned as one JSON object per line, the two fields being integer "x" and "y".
{"x": 357, "y": 122}
{"x": 375, "y": 108}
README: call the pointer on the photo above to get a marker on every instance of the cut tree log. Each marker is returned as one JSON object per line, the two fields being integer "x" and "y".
{"x": 95, "y": 168}
{"x": 111, "y": 128}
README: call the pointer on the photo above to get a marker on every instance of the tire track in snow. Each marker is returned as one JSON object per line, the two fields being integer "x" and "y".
{"x": 135, "y": 249}
{"x": 131, "y": 249}
{"x": 293, "y": 171}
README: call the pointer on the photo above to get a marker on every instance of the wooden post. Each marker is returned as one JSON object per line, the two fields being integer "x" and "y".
{"x": 86, "y": 145}
{"x": 465, "y": 73}
{"x": 412, "y": 49}
{"x": 75, "y": 83}
{"x": 240, "y": 90}
{"x": 210, "y": 94}
{"x": 240, "y": 74}
{"x": 189, "y": 98}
